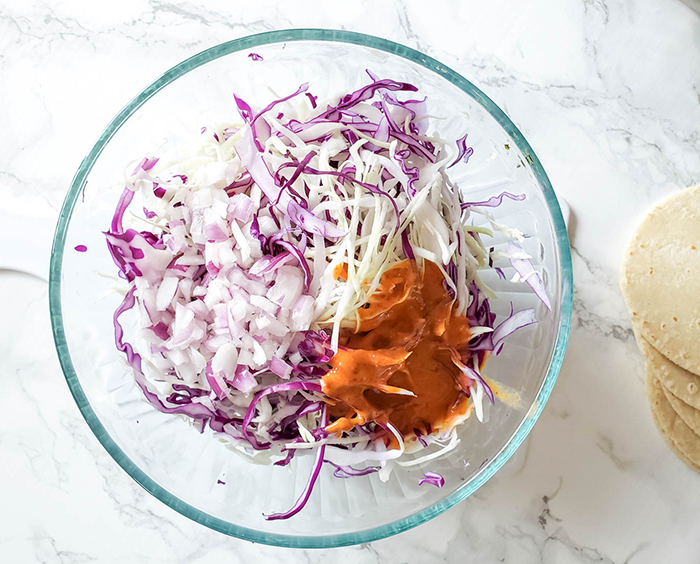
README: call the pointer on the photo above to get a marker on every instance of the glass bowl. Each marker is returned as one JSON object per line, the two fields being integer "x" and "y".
{"x": 194, "y": 473}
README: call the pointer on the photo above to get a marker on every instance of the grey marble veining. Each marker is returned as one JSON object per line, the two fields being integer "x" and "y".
{"x": 608, "y": 94}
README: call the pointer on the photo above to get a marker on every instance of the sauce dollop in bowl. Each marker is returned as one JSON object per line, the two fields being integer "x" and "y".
{"x": 188, "y": 467}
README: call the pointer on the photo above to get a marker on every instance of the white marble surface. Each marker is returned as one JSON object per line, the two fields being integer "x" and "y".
{"x": 607, "y": 92}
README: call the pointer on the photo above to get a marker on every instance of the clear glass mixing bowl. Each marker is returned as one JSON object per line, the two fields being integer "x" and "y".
{"x": 182, "y": 467}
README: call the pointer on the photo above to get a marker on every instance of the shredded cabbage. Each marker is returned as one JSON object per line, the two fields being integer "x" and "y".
{"x": 230, "y": 269}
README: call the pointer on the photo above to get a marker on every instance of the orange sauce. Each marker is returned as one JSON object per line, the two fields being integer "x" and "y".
{"x": 406, "y": 340}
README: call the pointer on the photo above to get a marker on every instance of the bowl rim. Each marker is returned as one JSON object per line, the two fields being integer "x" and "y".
{"x": 286, "y": 540}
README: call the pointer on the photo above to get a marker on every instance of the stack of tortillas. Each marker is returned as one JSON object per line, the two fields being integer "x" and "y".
{"x": 661, "y": 285}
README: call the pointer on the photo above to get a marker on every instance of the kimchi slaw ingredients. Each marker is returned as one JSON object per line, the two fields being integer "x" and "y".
{"x": 233, "y": 272}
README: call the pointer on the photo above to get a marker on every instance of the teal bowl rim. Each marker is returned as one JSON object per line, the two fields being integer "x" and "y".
{"x": 161, "y": 493}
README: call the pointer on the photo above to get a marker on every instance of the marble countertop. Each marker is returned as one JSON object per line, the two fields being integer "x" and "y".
{"x": 608, "y": 94}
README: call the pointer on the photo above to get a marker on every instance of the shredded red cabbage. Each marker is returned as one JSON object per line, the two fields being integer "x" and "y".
{"x": 365, "y": 93}
{"x": 494, "y": 201}
{"x": 464, "y": 152}
{"x": 350, "y": 472}
{"x": 433, "y": 479}
{"x": 301, "y": 502}
{"x": 285, "y": 387}
{"x": 527, "y": 272}
{"x": 315, "y": 347}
